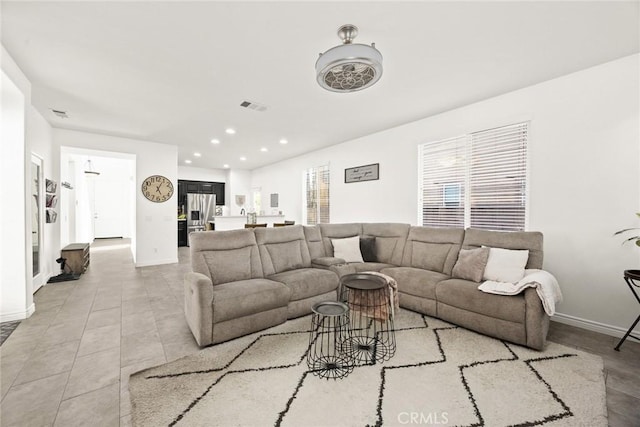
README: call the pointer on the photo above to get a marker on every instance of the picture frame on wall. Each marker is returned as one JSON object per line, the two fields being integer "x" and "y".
{"x": 52, "y": 216}
{"x": 51, "y": 186}
{"x": 362, "y": 173}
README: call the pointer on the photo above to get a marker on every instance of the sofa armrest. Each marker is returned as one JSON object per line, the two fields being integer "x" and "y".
{"x": 198, "y": 306}
{"x": 536, "y": 320}
{"x": 326, "y": 262}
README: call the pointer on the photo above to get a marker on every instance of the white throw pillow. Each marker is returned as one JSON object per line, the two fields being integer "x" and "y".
{"x": 505, "y": 265}
{"x": 348, "y": 249}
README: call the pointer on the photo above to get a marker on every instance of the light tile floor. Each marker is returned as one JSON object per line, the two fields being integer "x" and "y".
{"x": 69, "y": 363}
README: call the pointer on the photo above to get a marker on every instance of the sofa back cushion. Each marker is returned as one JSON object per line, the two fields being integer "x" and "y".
{"x": 282, "y": 249}
{"x": 337, "y": 231}
{"x": 434, "y": 249}
{"x": 519, "y": 240}
{"x": 314, "y": 241}
{"x": 225, "y": 256}
{"x": 390, "y": 240}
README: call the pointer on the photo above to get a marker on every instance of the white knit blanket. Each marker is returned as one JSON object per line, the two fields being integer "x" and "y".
{"x": 544, "y": 283}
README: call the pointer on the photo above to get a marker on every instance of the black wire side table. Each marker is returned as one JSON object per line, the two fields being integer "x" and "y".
{"x": 329, "y": 331}
{"x": 371, "y": 329}
{"x": 631, "y": 276}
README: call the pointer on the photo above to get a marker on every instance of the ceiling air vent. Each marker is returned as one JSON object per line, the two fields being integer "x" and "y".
{"x": 60, "y": 113}
{"x": 253, "y": 106}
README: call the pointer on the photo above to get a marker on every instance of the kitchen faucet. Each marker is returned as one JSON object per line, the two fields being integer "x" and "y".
{"x": 242, "y": 212}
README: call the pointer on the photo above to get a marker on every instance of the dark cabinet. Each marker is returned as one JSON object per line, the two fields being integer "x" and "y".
{"x": 200, "y": 187}
{"x": 182, "y": 233}
{"x": 193, "y": 187}
{"x": 182, "y": 195}
{"x": 218, "y": 190}
{"x": 206, "y": 188}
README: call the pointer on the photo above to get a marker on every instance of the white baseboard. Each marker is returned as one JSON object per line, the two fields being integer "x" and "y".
{"x": 159, "y": 262}
{"x": 18, "y": 315}
{"x": 590, "y": 325}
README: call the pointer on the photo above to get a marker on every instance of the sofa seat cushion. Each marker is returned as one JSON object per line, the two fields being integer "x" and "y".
{"x": 416, "y": 281}
{"x": 465, "y": 295}
{"x": 307, "y": 282}
{"x": 245, "y": 297}
{"x": 370, "y": 266}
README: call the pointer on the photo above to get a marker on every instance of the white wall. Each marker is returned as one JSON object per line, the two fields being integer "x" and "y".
{"x": 39, "y": 137}
{"x": 238, "y": 183}
{"x": 202, "y": 174}
{"x": 584, "y": 179}
{"x": 155, "y": 228}
{"x": 24, "y": 131}
{"x": 14, "y": 270}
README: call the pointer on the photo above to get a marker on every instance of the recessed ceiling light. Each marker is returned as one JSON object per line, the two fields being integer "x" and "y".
{"x": 230, "y": 131}
{"x": 187, "y": 161}
{"x": 226, "y": 166}
{"x": 197, "y": 154}
{"x": 215, "y": 141}
{"x": 243, "y": 158}
{"x": 283, "y": 141}
{"x": 264, "y": 149}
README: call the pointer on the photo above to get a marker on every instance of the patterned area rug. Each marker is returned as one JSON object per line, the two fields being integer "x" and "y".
{"x": 440, "y": 375}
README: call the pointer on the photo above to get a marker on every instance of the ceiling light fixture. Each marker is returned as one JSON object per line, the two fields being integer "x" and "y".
{"x": 197, "y": 154}
{"x": 187, "y": 162}
{"x": 349, "y": 67}
{"x": 226, "y": 166}
{"x": 215, "y": 141}
{"x": 264, "y": 149}
{"x": 243, "y": 158}
{"x": 230, "y": 131}
{"x": 283, "y": 141}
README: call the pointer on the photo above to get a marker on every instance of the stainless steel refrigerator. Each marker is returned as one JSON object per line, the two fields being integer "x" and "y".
{"x": 200, "y": 211}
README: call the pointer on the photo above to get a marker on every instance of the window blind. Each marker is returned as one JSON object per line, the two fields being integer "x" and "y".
{"x": 498, "y": 178}
{"x": 477, "y": 180}
{"x": 317, "y": 195}
{"x": 443, "y": 172}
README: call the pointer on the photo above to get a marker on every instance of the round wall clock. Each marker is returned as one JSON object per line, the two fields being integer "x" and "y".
{"x": 157, "y": 188}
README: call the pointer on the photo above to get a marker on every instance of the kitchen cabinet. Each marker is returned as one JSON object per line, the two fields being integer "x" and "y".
{"x": 193, "y": 187}
{"x": 182, "y": 233}
{"x": 206, "y": 188}
{"x": 218, "y": 190}
{"x": 200, "y": 187}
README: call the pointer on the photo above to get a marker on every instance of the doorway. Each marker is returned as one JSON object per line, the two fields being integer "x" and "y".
{"x": 101, "y": 201}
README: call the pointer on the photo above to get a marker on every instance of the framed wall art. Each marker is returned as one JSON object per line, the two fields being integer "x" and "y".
{"x": 362, "y": 173}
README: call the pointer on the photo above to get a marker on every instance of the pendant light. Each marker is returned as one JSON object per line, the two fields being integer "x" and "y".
{"x": 88, "y": 169}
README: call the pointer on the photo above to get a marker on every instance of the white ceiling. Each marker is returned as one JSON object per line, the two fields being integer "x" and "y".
{"x": 176, "y": 72}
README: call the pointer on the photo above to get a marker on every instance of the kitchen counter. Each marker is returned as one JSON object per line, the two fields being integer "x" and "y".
{"x": 234, "y": 222}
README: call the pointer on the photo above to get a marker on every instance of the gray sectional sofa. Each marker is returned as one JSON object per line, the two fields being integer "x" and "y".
{"x": 248, "y": 280}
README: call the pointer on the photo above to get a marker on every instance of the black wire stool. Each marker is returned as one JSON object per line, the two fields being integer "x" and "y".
{"x": 329, "y": 330}
{"x": 371, "y": 330}
{"x": 630, "y": 276}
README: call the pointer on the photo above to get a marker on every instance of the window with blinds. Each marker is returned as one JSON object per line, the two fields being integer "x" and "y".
{"x": 316, "y": 203}
{"x": 477, "y": 180}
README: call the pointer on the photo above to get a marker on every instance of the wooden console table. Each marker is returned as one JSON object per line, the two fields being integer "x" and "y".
{"x": 78, "y": 257}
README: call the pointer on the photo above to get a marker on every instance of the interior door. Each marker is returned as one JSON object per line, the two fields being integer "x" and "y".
{"x": 108, "y": 215}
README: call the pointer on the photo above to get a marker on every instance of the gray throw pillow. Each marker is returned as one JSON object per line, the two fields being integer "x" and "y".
{"x": 368, "y": 249}
{"x": 471, "y": 264}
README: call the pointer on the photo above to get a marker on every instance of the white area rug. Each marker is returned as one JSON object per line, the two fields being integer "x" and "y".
{"x": 440, "y": 375}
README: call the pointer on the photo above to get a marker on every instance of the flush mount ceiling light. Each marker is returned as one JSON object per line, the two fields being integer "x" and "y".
{"x": 349, "y": 67}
